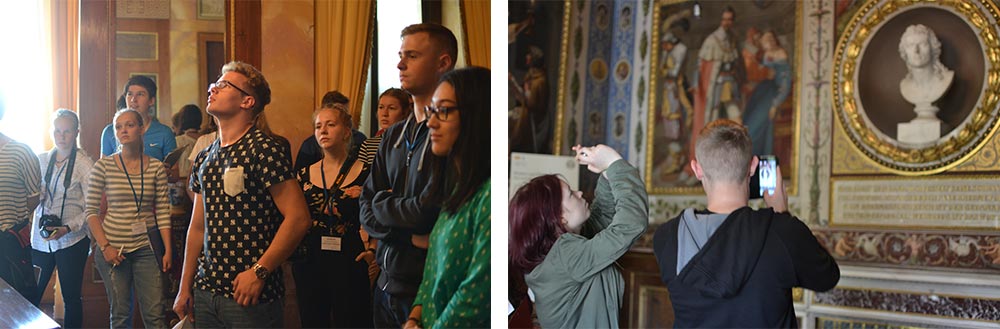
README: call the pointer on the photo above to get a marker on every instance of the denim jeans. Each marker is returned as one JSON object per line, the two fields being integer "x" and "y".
{"x": 390, "y": 311}
{"x": 140, "y": 273}
{"x": 70, "y": 262}
{"x": 216, "y": 311}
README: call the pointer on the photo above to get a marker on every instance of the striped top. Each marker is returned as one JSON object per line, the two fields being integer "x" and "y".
{"x": 20, "y": 179}
{"x": 108, "y": 179}
{"x": 368, "y": 150}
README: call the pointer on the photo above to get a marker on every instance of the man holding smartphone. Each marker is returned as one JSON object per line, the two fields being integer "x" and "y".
{"x": 729, "y": 259}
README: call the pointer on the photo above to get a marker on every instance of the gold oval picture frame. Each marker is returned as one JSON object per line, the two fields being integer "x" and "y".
{"x": 867, "y": 70}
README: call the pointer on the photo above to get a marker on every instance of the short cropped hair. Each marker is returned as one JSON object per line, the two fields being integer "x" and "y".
{"x": 141, "y": 81}
{"x": 440, "y": 36}
{"x": 334, "y": 97}
{"x": 190, "y": 117}
{"x": 723, "y": 151}
{"x": 256, "y": 80}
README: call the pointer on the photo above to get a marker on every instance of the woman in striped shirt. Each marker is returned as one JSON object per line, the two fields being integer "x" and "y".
{"x": 136, "y": 189}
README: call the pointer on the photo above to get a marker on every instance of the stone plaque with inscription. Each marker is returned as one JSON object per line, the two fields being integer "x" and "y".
{"x": 147, "y": 9}
{"x": 930, "y": 203}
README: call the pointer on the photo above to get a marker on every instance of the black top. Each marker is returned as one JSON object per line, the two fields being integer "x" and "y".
{"x": 341, "y": 220}
{"x": 743, "y": 275}
{"x": 241, "y": 218}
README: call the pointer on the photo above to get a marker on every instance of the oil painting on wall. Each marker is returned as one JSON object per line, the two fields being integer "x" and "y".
{"x": 720, "y": 60}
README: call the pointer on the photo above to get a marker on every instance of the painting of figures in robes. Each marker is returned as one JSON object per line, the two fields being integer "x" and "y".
{"x": 721, "y": 60}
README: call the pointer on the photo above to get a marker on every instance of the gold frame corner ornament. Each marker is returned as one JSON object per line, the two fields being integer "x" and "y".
{"x": 954, "y": 148}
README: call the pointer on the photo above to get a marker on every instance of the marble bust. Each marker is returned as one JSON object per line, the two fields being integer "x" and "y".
{"x": 925, "y": 82}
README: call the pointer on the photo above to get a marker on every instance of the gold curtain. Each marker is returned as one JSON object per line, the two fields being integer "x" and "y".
{"x": 63, "y": 22}
{"x": 343, "y": 49}
{"x": 476, "y": 28}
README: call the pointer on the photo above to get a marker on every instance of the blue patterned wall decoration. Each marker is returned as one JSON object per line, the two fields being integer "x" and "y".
{"x": 599, "y": 72}
{"x": 622, "y": 73}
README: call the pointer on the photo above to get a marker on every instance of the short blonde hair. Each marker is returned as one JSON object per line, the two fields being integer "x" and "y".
{"x": 723, "y": 151}
{"x": 258, "y": 84}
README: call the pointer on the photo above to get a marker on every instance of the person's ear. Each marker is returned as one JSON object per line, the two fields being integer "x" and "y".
{"x": 445, "y": 63}
{"x": 698, "y": 171}
{"x": 248, "y": 102}
{"x": 754, "y": 161}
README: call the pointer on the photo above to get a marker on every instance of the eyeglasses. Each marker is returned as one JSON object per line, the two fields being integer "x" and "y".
{"x": 222, "y": 84}
{"x": 439, "y": 112}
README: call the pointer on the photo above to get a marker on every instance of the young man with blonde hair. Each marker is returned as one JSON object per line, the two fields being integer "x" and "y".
{"x": 249, "y": 213}
{"x": 729, "y": 265}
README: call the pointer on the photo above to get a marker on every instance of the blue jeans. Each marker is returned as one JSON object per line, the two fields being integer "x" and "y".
{"x": 138, "y": 273}
{"x": 215, "y": 311}
{"x": 70, "y": 262}
{"x": 390, "y": 311}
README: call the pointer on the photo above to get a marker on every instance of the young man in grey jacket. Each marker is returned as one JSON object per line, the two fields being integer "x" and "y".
{"x": 392, "y": 210}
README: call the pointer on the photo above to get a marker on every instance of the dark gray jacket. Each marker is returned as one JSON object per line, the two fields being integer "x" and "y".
{"x": 394, "y": 206}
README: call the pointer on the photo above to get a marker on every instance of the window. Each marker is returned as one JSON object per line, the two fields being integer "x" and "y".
{"x": 392, "y": 17}
{"x": 25, "y": 72}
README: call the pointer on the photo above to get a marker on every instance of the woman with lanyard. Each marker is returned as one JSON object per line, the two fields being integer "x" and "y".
{"x": 135, "y": 184}
{"x": 332, "y": 279}
{"x": 59, "y": 227}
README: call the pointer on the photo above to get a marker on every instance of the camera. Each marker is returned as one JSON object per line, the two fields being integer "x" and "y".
{"x": 48, "y": 220}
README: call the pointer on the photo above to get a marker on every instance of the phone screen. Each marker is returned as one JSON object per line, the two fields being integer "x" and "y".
{"x": 765, "y": 180}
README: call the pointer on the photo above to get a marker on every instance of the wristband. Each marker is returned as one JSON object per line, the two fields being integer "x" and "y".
{"x": 415, "y": 320}
{"x": 371, "y": 249}
{"x": 105, "y": 246}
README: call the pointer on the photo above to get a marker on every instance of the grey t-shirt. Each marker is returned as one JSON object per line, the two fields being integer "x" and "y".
{"x": 693, "y": 232}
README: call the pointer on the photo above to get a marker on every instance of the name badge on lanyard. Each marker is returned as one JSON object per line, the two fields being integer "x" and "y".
{"x": 138, "y": 228}
{"x": 330, "y": 243}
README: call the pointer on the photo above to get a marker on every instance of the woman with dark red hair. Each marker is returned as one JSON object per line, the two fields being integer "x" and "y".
{"x": 565, "y": 250}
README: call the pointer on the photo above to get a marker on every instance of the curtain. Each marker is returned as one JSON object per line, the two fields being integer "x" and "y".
{"x": 476, "y": 28}
{"x": 344, "y": 49}
{"x": 61, "y": 21}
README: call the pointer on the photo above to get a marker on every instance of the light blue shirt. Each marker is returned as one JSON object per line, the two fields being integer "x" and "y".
{"x": 159, "y": 140}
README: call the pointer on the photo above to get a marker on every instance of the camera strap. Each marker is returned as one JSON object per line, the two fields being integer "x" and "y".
{"x": 67, "y": 180}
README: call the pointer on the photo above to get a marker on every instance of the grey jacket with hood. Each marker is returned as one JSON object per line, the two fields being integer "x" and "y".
{"x": 393, "y": 205}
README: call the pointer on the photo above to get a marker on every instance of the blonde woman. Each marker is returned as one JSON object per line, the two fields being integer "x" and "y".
{"x": 136, "y": 188}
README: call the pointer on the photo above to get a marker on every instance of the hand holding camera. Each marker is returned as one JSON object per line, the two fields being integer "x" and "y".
{"x": 49, "y": 227}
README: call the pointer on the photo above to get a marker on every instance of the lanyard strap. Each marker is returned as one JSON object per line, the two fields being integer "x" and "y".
{"x": 142, "y": 183}
{"x": 328, "y": 199}
{"x": 411, "y": 140}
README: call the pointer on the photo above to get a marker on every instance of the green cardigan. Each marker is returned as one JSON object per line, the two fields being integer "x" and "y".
{"x": 576, "y": 285}
{"x": 455, "y": 291}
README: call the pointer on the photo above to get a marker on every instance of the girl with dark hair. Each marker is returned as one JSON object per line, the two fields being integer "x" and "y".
{"x": 455, "y": 289}
{"x": 565, "y": 250}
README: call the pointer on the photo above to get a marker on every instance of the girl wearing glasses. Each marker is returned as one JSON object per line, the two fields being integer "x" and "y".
{"x": 566, "y": 251}
{"x": 135, "y": 185}
{"x": 456, "y": 288}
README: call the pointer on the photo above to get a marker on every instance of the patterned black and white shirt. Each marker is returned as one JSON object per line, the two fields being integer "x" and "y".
{"x": 241, "y": 218}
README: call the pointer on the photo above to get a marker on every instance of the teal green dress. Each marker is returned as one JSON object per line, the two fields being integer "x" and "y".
{"x": 455, "y": 292}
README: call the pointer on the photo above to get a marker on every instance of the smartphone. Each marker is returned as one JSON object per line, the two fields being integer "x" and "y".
{"x": 765, "y": 179}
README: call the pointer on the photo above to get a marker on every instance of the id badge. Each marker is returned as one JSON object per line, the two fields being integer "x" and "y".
{"x": 138, "y": 228}
{"x": 330, "y": 243}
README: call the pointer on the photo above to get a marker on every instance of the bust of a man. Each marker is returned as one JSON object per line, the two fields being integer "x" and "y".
{"x": 927, "y": 79}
